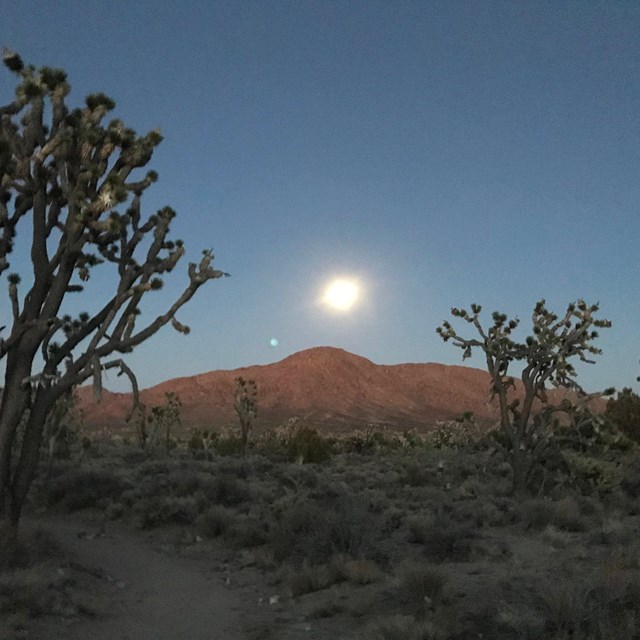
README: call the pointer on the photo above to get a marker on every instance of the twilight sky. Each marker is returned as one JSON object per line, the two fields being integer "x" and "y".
{"x": 440, "y": 153}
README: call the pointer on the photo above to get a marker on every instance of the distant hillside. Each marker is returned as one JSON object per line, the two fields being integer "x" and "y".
{"x": 327, "y": 387}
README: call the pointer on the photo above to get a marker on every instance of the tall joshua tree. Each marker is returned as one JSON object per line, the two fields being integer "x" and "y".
{"x": 526, "y": 417}
{"x": 69, "y": 194}
{"x": 245, "y": 404}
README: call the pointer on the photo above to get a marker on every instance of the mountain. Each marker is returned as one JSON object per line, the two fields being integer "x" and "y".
{"x": 327, "y": 387}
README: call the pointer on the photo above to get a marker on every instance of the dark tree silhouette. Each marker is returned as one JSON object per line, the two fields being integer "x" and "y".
{"x": 546, "y": 355}
{"x": 63, "y": 175}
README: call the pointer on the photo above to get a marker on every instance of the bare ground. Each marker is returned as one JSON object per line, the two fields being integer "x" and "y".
{"x": 146, "y": 594}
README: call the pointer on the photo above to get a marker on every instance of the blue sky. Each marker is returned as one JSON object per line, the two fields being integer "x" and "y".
{"x": 441, "y": 152}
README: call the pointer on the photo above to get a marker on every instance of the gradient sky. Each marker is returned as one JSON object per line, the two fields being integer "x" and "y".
{"x": 442, "y": 152}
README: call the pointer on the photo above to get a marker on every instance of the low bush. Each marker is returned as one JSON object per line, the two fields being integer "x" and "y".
{"x": 215, "y": 521}
{"x": 316, "y": 532}
{"x": 593, "y": 475}
{"x": 306, "y": 445}
{"x": 161, "y": 510}
{"x": 306, "y": 578}
{"x": 246, "y": 532}
{"x": 228, "y": 446}
{"x": 423, "y": 584}
{"x": 443, "y": 539}
{"x": 82, "y": 489}
{"x": 606, "y": 608}
{"x": 227, "y": 491}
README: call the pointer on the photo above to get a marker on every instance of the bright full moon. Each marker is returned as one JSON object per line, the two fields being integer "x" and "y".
{"x": 341, "y": 294}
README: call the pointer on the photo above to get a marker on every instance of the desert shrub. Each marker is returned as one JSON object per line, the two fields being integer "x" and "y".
{"x": 246, "y": 532}
{"x": 215, "y": 521}
{"x": 228, "y": 446}
{"x": 442, "y": 538}
{"x": 369, "y": 441}
{"x": 624, "y": 412}
{"x": 423, "y": 584}
{"x": 306, "y": 578}
{"x": 226, "y": 491}
{"x": 607, "y": 607}
{"x": 539, "y": 513}
{"x": 590, "y": 434}
{"x": 630, "y": 480}
{"x": 520, "y": 621}
{"x": 416, "y": 474}
{"x": 356, "y": 570}
{"x": 589, "y": 506}
{"x": 411, "y": 439}
{"x": 613, "y": 533}
{"x": 156, "y": 467}
{"x": 37, "y": 592}
{"x": 593, "y": 475}
{"x": 461, "y": 432}
{"x": 568, "y": 516}
{"x": 185, "y": 482}
{"x": 30, "y": 548}
{"x": 82, "y": 489}
{"x": 307, "y": 445}
{"x": 317, "y": 532}
{"x": 156, "y": 511}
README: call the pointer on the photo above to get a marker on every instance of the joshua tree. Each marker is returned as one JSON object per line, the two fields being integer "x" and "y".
{"x": 526, "y": 415}
{"x": 164, "y": 418}
{"x": 245, "y": 406}
{"x": 70, "y": 196}
{"x": 624, "y": 413}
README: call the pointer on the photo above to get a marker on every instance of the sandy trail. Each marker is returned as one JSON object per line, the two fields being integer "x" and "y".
{"x": 155, "y": 596}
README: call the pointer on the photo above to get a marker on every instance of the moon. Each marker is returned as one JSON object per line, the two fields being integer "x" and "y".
{"x": 341, "y": 294}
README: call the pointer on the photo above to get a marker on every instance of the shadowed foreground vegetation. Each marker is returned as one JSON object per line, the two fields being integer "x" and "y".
{"x": 384, "y": 536}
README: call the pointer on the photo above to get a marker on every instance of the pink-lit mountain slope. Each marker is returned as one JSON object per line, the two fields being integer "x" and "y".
{"x": 325, "y": 386}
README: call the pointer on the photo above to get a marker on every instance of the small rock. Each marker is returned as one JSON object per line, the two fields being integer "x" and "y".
{"x": 121, "y": 584}
{"x": 274, "y": 599}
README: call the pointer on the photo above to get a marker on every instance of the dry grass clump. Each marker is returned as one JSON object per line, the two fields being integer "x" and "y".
{"x": 39, "y": 585}
{"x": 318, "y": 530}
{"x": 215, "y": 521}
{"x": 568, "y": 515}
{"x": 246, "y": 532}
{"x": 423, "y": 584}
{"x": 306, "y": 578}
{"x": 443, "y": 539}
{"x": 565, "y": 514}
{"x": 160, "y": 510}
{"x": 520, "y": 621}
{"x": 357, "y": 570}
{"x": 604, "y": 611}
{"x": 77, "y": 489}
{"x": 606, "y": 607}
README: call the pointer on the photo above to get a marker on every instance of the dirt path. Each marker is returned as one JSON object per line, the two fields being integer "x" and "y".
{"x": 152, "y": 596}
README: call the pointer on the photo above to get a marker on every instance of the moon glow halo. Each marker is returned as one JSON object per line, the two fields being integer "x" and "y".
{"x": 341, "y": 294}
